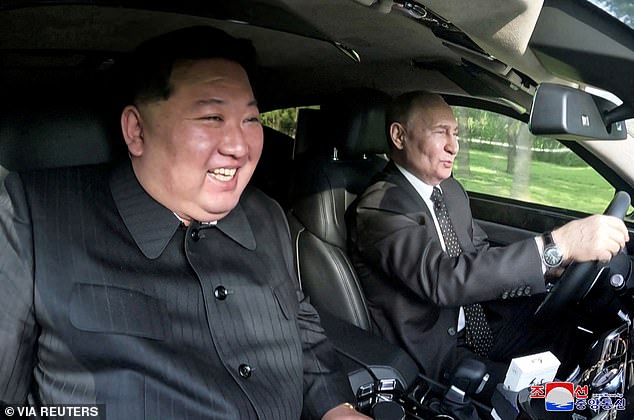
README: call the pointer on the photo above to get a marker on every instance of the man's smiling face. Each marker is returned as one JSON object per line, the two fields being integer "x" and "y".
{"x": 427, "y": 144}
{"x": 199, "y": 148}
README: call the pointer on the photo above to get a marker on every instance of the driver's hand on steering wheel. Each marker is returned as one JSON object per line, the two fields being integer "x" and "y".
{"x": 595, "y": 238}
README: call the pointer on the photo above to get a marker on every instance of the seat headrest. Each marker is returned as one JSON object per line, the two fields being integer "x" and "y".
{"x": 38, "y": 137}
{"x": 309, "y": 137}
{"x": 356, "y": 119}
{"x": 271, "y": 172}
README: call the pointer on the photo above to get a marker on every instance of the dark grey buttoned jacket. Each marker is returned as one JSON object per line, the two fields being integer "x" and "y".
{"x": 414, "y": 289}
{"x": 106, "y": 298}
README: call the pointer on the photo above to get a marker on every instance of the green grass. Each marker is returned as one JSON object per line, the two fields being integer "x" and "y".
{"x": 572, "y": 188}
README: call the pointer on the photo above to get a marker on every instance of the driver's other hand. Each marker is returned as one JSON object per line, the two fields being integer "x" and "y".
{"x": 344, "y": 412}
{"x": 595, "y": 238}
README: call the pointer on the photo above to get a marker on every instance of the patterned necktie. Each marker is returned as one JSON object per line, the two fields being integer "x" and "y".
{"x": 478, "y": 334}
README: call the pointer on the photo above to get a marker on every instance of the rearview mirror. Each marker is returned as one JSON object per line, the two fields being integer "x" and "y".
{"x": 571, "y": 114}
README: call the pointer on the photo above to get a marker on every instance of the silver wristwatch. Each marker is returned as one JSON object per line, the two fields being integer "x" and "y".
{"x": 552, "y": 256}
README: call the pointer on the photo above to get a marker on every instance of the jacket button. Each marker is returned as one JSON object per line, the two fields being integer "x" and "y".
{"x": 221, "y": 293}
{"x": 505, "y": 295}
{"x": 195, "y": 235}
{"x": 451, "y": 331}
{"x": 245, "y": 370}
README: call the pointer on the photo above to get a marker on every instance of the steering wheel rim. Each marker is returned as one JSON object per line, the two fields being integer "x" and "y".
{"x": 578, "y": 278}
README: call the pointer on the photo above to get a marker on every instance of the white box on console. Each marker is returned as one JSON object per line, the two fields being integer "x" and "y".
{"x": 529, "y": 370}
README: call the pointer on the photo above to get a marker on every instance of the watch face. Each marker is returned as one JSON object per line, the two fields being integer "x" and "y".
{"x": 552, "y": 256}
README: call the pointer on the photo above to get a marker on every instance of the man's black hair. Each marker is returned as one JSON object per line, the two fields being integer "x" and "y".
{"x": 153, "y": 61}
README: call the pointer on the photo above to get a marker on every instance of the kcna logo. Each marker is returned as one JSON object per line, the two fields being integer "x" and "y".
{"x": 565, "y": 396}
{"x": 559, "y": 396}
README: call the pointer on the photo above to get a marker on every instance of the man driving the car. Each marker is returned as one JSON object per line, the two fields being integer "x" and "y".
{"x": 426, "y": 266}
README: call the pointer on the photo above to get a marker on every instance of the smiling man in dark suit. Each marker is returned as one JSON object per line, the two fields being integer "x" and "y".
{"x": 426, "y": 265}
{"x": 163, "y": 287}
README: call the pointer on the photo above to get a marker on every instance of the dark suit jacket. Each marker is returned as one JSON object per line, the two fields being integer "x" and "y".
{"x": 414, "y": 289}
{"x": 107, "y": 298}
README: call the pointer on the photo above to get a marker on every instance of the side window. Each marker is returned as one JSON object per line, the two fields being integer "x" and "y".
{"x": 283, "y": 120}
{"x": 498, "y": 156}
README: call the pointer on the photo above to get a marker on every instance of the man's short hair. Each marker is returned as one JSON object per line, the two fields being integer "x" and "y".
{"x": 153, "y": 60}
{"x": 401, "y": 107}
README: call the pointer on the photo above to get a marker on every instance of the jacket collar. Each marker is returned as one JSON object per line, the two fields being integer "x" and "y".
{"x": 152, "y": 225}
{"x": 237, "y": 227}
{"x": 393, "y": 175}
{"x": 455, "y": 197}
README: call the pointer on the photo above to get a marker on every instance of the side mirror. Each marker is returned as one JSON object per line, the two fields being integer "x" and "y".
{"x": 571, "y": 114}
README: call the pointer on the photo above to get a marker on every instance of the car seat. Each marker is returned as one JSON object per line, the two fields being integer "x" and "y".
{"x": 334, "y": 166}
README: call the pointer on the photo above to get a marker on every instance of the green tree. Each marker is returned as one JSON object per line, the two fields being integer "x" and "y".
{"x": 284, "y": 120}
{"x": 521, "y": 162}
{"x": 462, "y": 160}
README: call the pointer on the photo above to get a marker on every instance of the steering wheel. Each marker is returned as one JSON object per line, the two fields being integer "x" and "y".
{"x": 578, "y": 278}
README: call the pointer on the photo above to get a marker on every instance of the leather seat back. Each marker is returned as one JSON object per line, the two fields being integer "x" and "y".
{"x": 350, "y": 150}
{"x": 41, "y": 135}
{"x": 271, "y": 173}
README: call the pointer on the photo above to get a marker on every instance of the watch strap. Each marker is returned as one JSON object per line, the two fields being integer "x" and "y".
{"x": 548, "y": 239}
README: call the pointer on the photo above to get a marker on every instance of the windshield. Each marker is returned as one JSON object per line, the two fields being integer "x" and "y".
{"x": 623, "y": 10}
